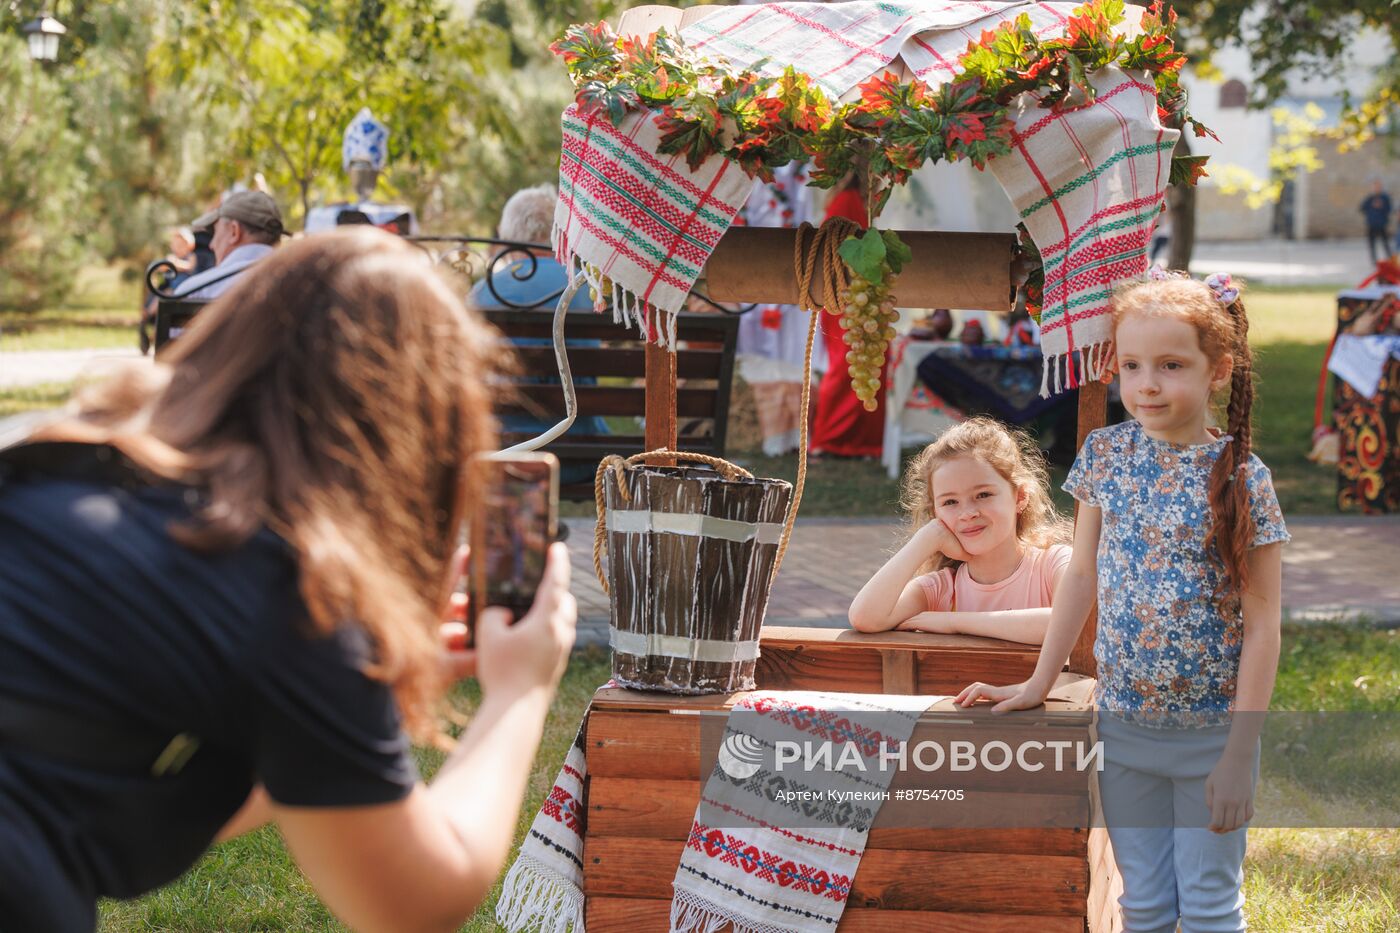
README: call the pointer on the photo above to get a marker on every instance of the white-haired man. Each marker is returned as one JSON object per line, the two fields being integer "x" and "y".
{"x": 527, "y": 218}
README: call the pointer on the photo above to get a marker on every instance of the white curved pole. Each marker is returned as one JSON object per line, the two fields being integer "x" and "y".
{"x": 565, "y": 374}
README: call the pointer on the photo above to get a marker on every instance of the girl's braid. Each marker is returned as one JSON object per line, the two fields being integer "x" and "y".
{"x": 1233, "y": 526}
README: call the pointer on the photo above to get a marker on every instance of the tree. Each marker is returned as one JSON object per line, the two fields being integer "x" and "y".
{"x": 538, "y": 89}
{"x": 41, "y": 185}
{"x": 1286, "y": 38}
{"x": 134, "y": 129}
{"x": 276, "y": 81}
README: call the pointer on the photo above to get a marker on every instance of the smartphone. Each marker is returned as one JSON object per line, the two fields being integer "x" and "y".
{"x": 510, "y": 529}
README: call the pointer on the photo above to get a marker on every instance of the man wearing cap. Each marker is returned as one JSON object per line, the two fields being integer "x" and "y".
{"x": 247, "y": 225}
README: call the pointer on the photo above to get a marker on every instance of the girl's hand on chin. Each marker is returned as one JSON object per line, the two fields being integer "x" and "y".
{"x": 949, "y": 544}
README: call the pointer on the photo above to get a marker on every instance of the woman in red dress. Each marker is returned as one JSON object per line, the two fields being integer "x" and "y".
{"x": 842, "y": 427}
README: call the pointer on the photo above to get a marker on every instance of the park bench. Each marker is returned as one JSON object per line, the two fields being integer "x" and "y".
{"x": 614, "y": 358}
{"x": 172, "y": 316}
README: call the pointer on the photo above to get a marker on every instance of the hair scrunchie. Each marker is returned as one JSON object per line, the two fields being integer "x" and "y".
{"x": 1220, "y": 286}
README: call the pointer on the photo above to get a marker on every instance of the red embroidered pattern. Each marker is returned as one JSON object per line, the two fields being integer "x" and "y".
{"x": 729, "y": 849}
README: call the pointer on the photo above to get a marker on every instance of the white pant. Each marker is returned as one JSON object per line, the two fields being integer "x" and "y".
{"x": 1173, "y": 868}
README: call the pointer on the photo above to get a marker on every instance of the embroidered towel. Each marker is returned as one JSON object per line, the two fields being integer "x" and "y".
{"x": 838, "y": 45}
{"x": 644, "y": 221}
{"x": 1088, "y": 184}
{"x": 543, "y": 890}
{"x": 770, "y": 863}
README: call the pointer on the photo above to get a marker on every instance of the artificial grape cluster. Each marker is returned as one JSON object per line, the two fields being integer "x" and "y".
{"x": 867, "y": 317}
{"x": 602, "y": 292}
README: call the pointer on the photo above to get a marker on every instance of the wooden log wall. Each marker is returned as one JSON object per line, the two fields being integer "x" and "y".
{"x": 643, "y": 788}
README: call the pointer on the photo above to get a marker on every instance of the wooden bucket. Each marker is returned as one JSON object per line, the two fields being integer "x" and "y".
{"x": 690, "y": 563}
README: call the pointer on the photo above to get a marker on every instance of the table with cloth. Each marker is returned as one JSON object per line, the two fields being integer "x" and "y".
{"x": 936, "y": 383}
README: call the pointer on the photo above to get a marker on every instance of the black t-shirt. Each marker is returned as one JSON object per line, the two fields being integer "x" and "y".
{"x": 104, "y": 615}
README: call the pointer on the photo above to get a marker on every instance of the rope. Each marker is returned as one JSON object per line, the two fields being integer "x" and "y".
{"x": 825, "y": 244}
{"x": 811, "y": 247}
{"x": 618, "y": 466}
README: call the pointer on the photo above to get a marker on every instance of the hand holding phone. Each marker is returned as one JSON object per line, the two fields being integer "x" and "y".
{"x": 510, "y": 530}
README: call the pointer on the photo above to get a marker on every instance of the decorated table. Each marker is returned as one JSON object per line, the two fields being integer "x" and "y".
{"x": 1365, "y": 360}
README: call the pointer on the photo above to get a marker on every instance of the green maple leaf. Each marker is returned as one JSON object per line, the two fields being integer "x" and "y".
{"x": 617, "y": 101}
{"x": 897, "y": 252}
{"x": 921, "y": 129}
{"x": 691, "y": 127}
{"x": 588, "y": 49}
{"x": 865, "y": 254}
{"x": 1187, "y": 170}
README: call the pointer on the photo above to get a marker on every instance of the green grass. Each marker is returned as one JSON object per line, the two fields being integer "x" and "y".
{"x": 1296, "y": 879}
{"x": 14, "y": 401}
{"x": 101, "y": 313}
{"x": 67, "y": 329}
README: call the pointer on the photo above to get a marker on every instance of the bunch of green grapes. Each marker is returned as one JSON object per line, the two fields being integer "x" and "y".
{"x": 602, "y": 292}
{"x": 867, "y": 317}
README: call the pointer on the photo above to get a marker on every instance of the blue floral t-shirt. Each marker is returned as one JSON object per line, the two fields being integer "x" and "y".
{"x": 1164, "y": 645}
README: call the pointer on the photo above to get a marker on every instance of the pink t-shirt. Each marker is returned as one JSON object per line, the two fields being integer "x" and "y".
{"x": 1030, "y": 586}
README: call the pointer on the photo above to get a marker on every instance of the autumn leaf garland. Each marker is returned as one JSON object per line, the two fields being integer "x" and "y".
{"x": 764, "y": 121}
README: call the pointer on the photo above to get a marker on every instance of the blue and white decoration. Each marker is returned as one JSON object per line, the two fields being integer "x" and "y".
{"x": 366, "y": 140}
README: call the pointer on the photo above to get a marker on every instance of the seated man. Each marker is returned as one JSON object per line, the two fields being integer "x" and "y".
{"x": 247, "y": 225}
{"x": 527, "y": 218}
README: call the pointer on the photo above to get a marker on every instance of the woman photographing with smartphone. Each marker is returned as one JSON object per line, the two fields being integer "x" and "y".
{"x": 222, "y": 592}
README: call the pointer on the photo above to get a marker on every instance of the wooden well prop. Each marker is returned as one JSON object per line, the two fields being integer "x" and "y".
{"x": 643, "y": 747}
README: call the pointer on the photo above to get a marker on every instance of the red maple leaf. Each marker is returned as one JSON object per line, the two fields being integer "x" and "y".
{"x": 877, "y": 93}
{"x": 965, "y": 128}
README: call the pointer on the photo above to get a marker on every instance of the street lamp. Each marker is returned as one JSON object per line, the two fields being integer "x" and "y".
{"x": 43, "y": 36}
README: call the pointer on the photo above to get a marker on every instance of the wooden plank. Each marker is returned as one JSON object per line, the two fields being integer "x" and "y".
{"x": 625, "y": 361}
{"x": 961, "y": 882}
{"x": 644, "y": 20}
{"x": 1093, "y": 413}
{"x": 618, "y": 401}
{"x": 949, "y": 270}
{"x": 819, "y": 668}
{"x": 661, "y": 401}
{"x": 936, "y": 670}
{"x": 898, "y": 674}
{"x": 1105, "y": 884}
{"x": 691, "y": 327}
{"x": 666, "y": 747}
{"x": 1072, "y": 693}
{"x": 596, "y": 447}
{"x": 665, "y": 809}
{"x": 780, "y": 636}
{"x": 634, "y": 915}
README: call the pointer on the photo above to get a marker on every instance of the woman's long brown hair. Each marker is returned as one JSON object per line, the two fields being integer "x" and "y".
{"x": 332, "y": 395}
{"x": 1221, "y": 329}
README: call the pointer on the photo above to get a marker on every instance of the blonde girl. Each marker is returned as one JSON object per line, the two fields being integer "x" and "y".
{"x": 988, "y": 548}
{"x": 1179, "y": 538}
